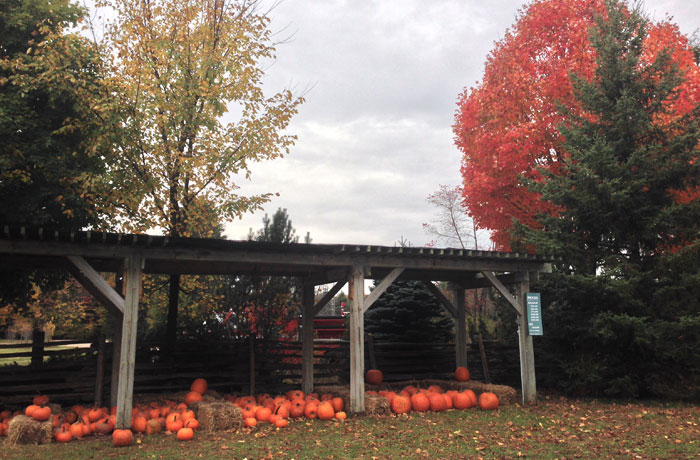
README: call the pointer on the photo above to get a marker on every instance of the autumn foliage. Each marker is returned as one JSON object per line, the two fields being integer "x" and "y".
{"x": 507, "y": 125}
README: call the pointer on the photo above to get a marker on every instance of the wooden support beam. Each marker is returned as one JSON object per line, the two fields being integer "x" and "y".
{"x": 307, "y": 339}
{"x": 118, "y": 319}
{"x": 327, "y": 297}
{"x": 125, "y": 390}
{"x": 460, "y": 328}
{"x": 379, "y": 290}
{"x": 503, "y": 291}
{"x": 527, "y": 353}
{"x": 356, "y": 295}
{"x": 95, "y": 284}
{"x": 441, "y": 297}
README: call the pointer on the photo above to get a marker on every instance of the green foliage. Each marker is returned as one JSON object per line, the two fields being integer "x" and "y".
{"x": 627, "y": 227}
{"x": 408, "y": 312}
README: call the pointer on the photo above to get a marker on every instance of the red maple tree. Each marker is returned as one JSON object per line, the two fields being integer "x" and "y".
{"x": 507, "y": 125}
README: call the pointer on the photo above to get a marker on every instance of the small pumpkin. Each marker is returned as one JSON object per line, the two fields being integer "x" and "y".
{"x": 311, "y": 410}
{"x": 192, "y": 397}
{"x": 338, "y": 404}
{"x": 185, "y": 434}
{"x": 462, "y": 374}
{"x": 122, "y": 438}
{"x": 63, "y": 436}
{"x": 153, "y": 426}
{"x": 138, "y": 424}
{"x": 251, "y": 422}
{"x": 41, "y": 414}
{"x": 76, "y": 429}
{"x": 95, "y": 414}
{"x": 30, "y": 410}
{"x": 281, "y": 423}
{"x": 174, "y": 422}
{"x": 40, "y": 400}
{"x": 263, "y": 414}
{"x": 401, "y": 404}
{"x": 340, "y": 415}
{"x": 297, "y": 408}
{"x": 192, "y": 423}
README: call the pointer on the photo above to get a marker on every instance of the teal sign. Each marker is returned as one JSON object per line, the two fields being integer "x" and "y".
{"x": 534, "y": 313}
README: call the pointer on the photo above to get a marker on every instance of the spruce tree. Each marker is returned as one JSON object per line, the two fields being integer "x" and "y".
{"x": 408, "y": 312}
{"x": 628, "y": 217}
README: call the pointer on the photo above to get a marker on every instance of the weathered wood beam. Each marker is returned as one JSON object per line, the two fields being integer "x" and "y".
{"x": 460, "y": 327}
{"x": 127, "y": 359}
{"x": 96, "y": 285}
{"x": 328, "y": 296}
{"x": 307, "y": 339}
{"x": 444, "y": 301}
{"x": 527, "y": 352}
{"x": 356, "y": 295}
{"x": 503, "y": 291}
{"x": 379, "y": 290}
{"x": 329, "y": 276}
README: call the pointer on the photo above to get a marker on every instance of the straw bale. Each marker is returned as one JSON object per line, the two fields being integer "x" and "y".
{"x": 218, "y": 416}
{"x": 377, "y": 405}
{"x": 26, "y": 430}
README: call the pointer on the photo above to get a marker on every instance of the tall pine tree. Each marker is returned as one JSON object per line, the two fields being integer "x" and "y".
{"x": 624, "y": 308}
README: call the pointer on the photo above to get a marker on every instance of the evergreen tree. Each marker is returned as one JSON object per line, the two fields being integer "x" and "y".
{"x": 408, "y": 312}
{"x": 627, "y": 225}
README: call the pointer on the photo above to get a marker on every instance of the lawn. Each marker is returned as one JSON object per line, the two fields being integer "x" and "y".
{"x": 556, "y": 428}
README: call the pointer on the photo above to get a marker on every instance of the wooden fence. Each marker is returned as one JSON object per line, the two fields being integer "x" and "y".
{"x": 227, "y": 365}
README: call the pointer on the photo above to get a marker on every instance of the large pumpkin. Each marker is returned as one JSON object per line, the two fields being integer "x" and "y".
{"x": 401, "y": 404}
{"x": 374, "y": 377}
{"x": 325, "y": 411}
{"x": 41, "y": 414}
{"x": 437, "y": 402}
{"x": 122, "y": 438}
{"x": 420, "y": 402}
{"x": 311, "y": 409}
{"x": 297, "y": 409}
{"x": 338, "y": 404}
{"x": 462, "y": 374}
{"x": 488, "y": 401}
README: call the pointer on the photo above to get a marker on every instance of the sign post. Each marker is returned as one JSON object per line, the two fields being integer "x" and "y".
{"x": 534, "y": 313}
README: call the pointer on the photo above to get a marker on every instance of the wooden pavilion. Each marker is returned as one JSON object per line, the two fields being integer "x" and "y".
{"x": 86, "y": 254}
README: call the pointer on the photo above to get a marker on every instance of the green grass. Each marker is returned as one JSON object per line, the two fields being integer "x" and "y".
{"x": 556, "y": 428}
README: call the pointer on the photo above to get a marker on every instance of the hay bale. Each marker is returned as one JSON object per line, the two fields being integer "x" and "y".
{"x": 218, "y": 416}
{"x": 377, "y": 405}
{"x": 26, "y": 430}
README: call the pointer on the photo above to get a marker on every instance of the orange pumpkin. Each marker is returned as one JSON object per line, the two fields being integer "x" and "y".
{"x": 192, "y": 397}
{"x": 63, "y": 436}
{"x": 263, "y": 414}
{"x": 401, "y": 404}
{"x": 153, "y": 426}
{"x": 448, "y": 401}
{"x": 281, "y": 423}
{"x": 461, "y": 401}
{"x": 297, "y": 408}
{"x": 435, "y": 389}
{"x": 488, "y": 401}
{"x": 311, "y": 410}
{"x": 410, "y": 389}
{"x": 41, "y": 414}
{"x": 70, "y": 417}
{"x": 295, "y": 394}
{"x": 374, "y": 377}
{"x": 40, "y": 400}
{"x": 122, "y": 438}
{"x": 472, "y": 398}
{"x": 462, "y": 374}
{"x": 30, "y": 410}
{"x": 174, "y": 422}
{"x": 185, "y": 434}
{"x": 251, "y": 421}
{"x": 338, "y": 404}
{"x": 102, "y": 426}
{"x": 192, "y": 423}
{"x": 340, "y": 415}
{"x": 187, "y": 414}
{"x": 420, "y": 402}
{"x": 76, "y": 429}
{"x": 325, "y": 411}
{"x": 95, "y": 414}
{"x": 282, "y": 411}
{"x": 437, "y": 402}
{"x": 199, "y": 385}
{"x": 138, "y": 424}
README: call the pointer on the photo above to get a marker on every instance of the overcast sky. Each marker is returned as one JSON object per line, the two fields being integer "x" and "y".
{"x": 375, "y": 134}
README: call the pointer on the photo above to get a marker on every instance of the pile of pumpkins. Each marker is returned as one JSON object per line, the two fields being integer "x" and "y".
{"x": 153, "y": 418}
{"x": 433, "y": 398}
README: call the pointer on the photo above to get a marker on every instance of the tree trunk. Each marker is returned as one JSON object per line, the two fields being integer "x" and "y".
{"x": 171, "y": 326}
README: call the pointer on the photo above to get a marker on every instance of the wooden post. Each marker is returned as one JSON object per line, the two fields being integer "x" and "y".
{"x": 356, "y": 295}
{"x": 251, "y": 366}
{"x": 127, "y": 359}
{"x": 307, "y": 339}
{"x": 37, "y": 347}
{"x": 116, "y": 344}
{"x": 527, "y": 354}
{"x": 484, "y": 363}
{"x": 100, "y": 371}
{"x": 460, "y": 327}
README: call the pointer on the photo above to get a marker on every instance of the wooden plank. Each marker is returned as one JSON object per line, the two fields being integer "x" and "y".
{"x": 460, "y": 328}
{"x": 96, "y": 285}
{"x": 503, "y": 291}
{"x": 527, "y": 352}
{"x": 379, "y": 290}
{"x": 356, "y": 294}
{"x": 444, "y": 301}
{"x": 327, "y": 297}
{"x": 128, "y": 344}
{"x": 307, "y": 337}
